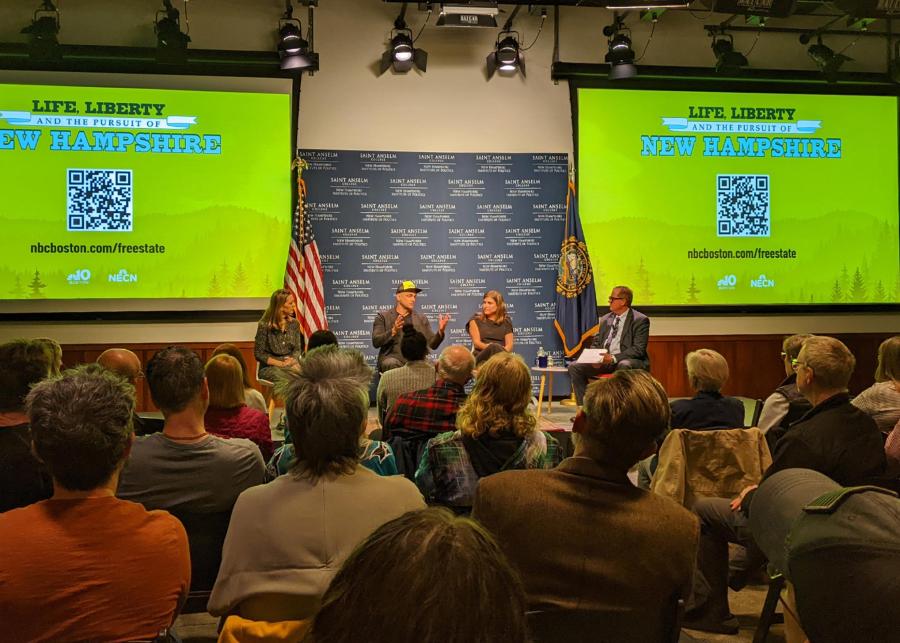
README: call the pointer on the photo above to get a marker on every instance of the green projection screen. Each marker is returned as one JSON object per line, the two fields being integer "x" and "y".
{"x": 713, "y": 198}
{"x": 136, "y": 193}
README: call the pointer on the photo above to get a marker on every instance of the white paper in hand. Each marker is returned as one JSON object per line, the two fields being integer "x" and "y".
{"x": 591, "y": 356}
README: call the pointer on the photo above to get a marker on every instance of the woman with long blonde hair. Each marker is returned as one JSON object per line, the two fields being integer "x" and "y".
{"x": 496, "y": 431}
{"x": 279, "y": 342}
{"x": 491, "y": 329}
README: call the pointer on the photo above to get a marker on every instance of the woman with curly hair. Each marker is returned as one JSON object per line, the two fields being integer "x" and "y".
{"x": 495, "y": 432}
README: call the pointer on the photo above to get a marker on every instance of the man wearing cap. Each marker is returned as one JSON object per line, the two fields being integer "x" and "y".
{"x": 388, "y": 326}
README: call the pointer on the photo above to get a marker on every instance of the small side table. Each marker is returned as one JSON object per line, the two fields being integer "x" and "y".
{"x": 546, "y": 374}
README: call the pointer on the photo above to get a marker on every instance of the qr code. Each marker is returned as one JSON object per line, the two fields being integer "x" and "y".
{"x": 742, "y": 205}
{"x": 99, "y": 200}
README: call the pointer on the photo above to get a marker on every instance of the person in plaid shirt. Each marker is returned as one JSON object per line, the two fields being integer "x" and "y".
{"x": 434, "y": 409}
{"x": 496, "y": 433}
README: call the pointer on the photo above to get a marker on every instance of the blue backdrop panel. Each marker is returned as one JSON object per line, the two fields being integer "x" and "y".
{"x": 456, "y": 224}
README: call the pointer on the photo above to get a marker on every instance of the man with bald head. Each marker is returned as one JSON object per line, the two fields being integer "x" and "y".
{"x": 433, "y": 409}
{"x": 125, "y": 363}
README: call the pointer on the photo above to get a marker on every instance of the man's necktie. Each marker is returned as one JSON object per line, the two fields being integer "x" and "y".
{"x": 612, "y": 333}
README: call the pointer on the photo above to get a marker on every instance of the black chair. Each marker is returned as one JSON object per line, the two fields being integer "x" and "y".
{"x": 408, "y": 447}
{"x": 757, "y": 411}
{"x": 206, "y": 535}
{"x": 768, "y": 617}
{"x": 587, "y": 626}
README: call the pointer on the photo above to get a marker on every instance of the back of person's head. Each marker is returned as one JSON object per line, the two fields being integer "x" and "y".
{"x": 413, "y": 345}
{"x": 458, "y": 585}
{"x": 707, "y": 370}
{"x": 326, "y": 400}
{"x": 888, "y": 368}
{"x": 81, "y": 425}
{"x": 456, "y": 363}
{"x": 54, "y": 353}
{"x": 321, "y": 338}
{"x": 499, "y": 401}
{"x": 792, "y": 344}
{"x": 624, "y": 415}
{"x": 235, "y": 352}
{"x": 175, "y": 377}
{"x": 122, "y": 362}
{"x": 23, "y": 363}
{"x": 831, "y": 362}
{"x": 223, "y": 376}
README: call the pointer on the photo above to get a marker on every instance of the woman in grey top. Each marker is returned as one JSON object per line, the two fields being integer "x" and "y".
{"x": 279, "y": 343}
{"x": 491, "y": 330}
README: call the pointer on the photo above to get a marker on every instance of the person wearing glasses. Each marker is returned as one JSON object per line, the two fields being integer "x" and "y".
{"x": 785, "y": 405}
{"x": 623, "y": 333}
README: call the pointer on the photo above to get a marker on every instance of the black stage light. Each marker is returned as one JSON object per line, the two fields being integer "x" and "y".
{"x": 42, "y": 32}
{"x": 507, "y": 58}
{"x": 402, "y": 55}
{"x": 727, "y": 59}
{"x": 168, "y": 28}
{"x": 826, "y": 60}
{"x": 620, "y": 55}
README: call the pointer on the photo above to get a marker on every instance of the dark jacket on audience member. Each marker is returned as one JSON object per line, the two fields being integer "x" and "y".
{"x": 708, "y": 410}
{"x": 834, "y": 438}
{"x": 583, "y": 537}
{"x": 23, "y": 478}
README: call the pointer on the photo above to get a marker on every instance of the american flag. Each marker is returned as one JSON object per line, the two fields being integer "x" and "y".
{"x": 303, "y": 273}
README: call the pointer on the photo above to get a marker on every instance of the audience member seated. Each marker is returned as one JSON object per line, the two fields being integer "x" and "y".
{"x": 279, "y": 342}
{"x": 588, "y": 539}
{"x": 54, "y": 354}
{"x": 496, "y": 431}
{"x": 416, "y": 374}
{"x": 84, "y": 565}
{"x": 434, "y": 409}
{"x": 458, "y": 585}
{"x": 252, "y": 398}
{"x": 227, "y": 415}
{"x": 707, "y": 373}
{"x": 184, "y": 468}
{"x": 125, "y": 363}
{"x": 288, "y": 538}
{"x": 321, "y": 338}
{"x": 882, "y": 399}
{"x": 835, "y": 438}
{"x": 842, "y": 563}
{"x": 373, "y": 454}
{"x": 23, "y": 479}
{"x": 785, "y": 405}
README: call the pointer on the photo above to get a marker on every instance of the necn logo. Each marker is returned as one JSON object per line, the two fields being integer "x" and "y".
{"x": 123, "y": 276}
{"x": 762, "y": 282}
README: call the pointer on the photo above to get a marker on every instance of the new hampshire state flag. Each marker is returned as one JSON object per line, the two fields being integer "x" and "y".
{"x": 576, "y": 301}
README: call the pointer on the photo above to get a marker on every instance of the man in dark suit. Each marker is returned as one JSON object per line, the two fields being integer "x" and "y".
{"x": 582, "y": 536}
{"x": 623, "y": 333}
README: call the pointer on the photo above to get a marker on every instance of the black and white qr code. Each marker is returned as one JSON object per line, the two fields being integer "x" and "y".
{"x": 742, "y": 205}
{"x": 99, "y": 200}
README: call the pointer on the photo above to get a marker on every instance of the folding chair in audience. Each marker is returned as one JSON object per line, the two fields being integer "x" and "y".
{"x": 206, "y": 536}
{"x": 268, "y": 392}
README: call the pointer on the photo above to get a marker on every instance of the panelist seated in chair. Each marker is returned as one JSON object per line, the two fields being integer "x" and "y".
{"x": 279, "y": 342}
{"x": 491, "y": 330}
{"x": 707, "y": 373}
{"x": 623, "y": 333}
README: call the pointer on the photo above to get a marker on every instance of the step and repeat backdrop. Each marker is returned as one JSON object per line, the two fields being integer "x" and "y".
{"x": 456, "y": 224}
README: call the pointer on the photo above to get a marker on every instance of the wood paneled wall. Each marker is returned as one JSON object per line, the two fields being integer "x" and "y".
{"x": 754, "y": 361}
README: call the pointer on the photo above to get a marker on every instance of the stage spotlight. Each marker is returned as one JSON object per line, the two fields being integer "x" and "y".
{"x": 620, "y": 55}
{"x": 402, "y": 54}
{"x": 826, "y": 60}
{"x": 727, "y": 59}
{"x": 507, "y": 58}
{"x": 42, "y": 32}
{"x": 168, "y": 28}
{"x": 293, "y": 48}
